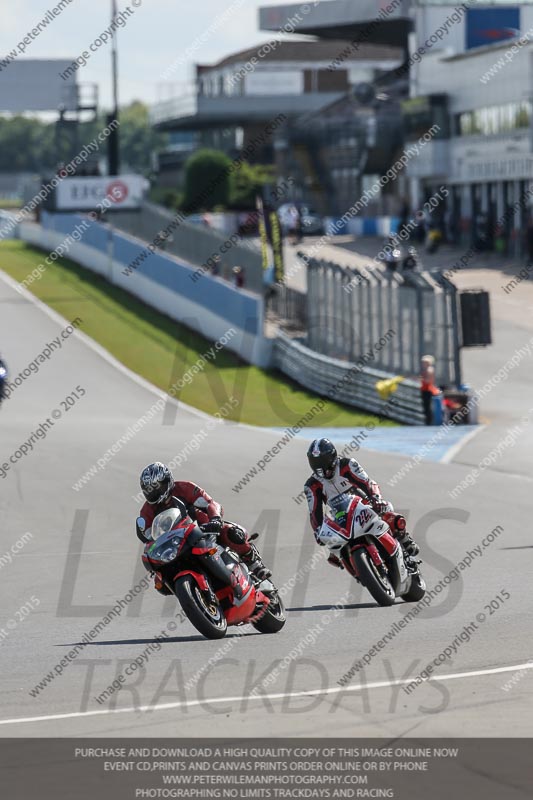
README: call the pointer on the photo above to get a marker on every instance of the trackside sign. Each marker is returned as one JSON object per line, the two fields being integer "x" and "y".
{"x": 84, "y": 194}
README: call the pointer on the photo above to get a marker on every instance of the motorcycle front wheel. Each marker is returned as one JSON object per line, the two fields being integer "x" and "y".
{"x": 379, "y": 587}
{"x": 206, "y": 616}
{"x": 417, "y": 589}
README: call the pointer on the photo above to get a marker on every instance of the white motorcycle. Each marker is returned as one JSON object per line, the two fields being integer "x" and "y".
{"x": 355, "y": 535}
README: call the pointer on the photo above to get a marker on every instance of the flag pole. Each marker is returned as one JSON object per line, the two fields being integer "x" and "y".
{"x": 113, "y": 118}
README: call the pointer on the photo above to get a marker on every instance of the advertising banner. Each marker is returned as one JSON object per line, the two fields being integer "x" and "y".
{"x": 486, "y": 26}
{"x": 126, "y": 192}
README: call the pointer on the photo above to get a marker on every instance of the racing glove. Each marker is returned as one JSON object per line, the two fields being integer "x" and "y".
{"x": 213, "y": 526}
{"x": 379, "y": 504}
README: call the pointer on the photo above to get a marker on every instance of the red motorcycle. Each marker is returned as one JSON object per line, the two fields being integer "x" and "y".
{"x": 355, "y": 534}
{"x": 211, "y": 605}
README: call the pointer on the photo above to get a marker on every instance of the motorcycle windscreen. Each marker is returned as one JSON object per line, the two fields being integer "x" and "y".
{"x": 166, "y": 521}
{"x": 340, "y": 506}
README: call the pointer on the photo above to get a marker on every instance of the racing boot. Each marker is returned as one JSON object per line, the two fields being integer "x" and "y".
{"x": 237, "y": 538}
{"x": 408, "y": 543}
{"x": 255, "y": 564}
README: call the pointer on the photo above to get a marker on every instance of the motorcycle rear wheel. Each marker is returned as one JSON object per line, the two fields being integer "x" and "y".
{"x": 206, "y": 617}
{"x": 379, "y": 587}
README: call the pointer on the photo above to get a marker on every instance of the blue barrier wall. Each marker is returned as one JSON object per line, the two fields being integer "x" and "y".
{"x": 214, "y": 294}
{"x": 95, "y": 236}
{"x": 209, "y": 305}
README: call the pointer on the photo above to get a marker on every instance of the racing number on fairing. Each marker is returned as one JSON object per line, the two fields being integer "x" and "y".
{"x": 363, "y": 517}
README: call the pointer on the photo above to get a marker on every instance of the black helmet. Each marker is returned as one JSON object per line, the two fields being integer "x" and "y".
{"x": 156, "y": 483}
{"x": 322, "y": 457}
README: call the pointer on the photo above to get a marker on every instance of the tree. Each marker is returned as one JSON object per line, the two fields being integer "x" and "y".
{"x": 138, "y": 139}
{"x": 30, "y": 145}
{"x": 26, "y": 145}
{"x": 247, "y": 182}
{"x": 207, "y": 181}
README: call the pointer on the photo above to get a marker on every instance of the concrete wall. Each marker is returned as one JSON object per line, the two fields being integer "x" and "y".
{"x": 193, "y": 244}
{"x": 460, "y": 77}
{"x": 209, "y": 306}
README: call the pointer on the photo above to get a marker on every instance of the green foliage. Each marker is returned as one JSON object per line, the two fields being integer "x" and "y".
{"x": 138, "y": 139}
{"x": 170, "y": 198}
{"x": 207, "y": 181}
{"x": 247, "y": 182}
{"x": 26, "y": 145}
{"x": 31, "y": 145}
{"x": 211, "y": 186}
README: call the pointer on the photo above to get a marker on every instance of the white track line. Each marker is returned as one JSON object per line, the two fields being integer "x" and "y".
{"x": 280, "y": 696}
{"x": 103, "y": 353}
{"x": 456, "y": 448}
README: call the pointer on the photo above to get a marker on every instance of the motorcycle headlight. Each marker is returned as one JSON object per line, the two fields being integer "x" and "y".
{"x": 169, "y": 554}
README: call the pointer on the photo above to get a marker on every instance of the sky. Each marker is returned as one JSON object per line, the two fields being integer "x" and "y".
{"x": 155, "y": 37}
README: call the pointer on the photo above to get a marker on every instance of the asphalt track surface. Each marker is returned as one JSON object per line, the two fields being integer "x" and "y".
{"x": 83, "y": 556}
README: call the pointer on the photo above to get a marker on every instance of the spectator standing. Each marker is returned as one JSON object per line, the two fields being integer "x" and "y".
{"x": 427, "y": 386}
{"x": 238, "y": 274}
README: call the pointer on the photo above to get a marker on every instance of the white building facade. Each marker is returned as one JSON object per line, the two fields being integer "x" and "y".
{"x": 482, "y": 97}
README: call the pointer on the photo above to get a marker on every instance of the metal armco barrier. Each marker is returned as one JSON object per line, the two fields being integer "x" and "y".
{"x": 349, "y": 311}
{"x": 346, "y": 382}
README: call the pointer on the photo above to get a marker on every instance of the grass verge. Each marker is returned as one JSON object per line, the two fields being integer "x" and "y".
{"x": 161, "y": 350}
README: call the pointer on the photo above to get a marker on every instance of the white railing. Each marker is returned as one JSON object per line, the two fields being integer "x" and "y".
{"x": 185, "y": 105}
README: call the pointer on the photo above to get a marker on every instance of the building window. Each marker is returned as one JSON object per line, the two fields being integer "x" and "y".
{"x": 494, "y": 119}
{"x": 229, "y": 89}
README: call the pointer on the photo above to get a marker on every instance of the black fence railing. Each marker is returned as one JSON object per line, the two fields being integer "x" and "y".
{"x": 289, "y": 306}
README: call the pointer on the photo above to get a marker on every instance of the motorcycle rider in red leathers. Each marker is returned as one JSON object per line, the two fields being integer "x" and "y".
{"x": 333, "y": 476}
{"x": 161, "y": 491}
